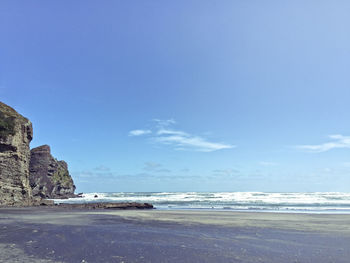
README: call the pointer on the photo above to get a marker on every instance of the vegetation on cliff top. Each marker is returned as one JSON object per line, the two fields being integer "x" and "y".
{"x": 62, "y": 176}
{"x": 7, "y": 125}
{"x": 7, "y": 120}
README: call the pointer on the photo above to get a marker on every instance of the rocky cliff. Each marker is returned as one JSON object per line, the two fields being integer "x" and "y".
{"x": 15, "y": 135}
{"x": 27, "y": 176}
{"x": 49, "y": 178}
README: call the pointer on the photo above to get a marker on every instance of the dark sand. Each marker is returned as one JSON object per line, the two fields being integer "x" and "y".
{"x": 60, "y": 235}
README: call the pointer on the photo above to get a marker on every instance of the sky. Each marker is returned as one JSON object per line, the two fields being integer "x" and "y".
{"x": 185, "y": 95}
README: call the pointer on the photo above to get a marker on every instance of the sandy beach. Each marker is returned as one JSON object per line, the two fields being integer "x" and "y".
{"x": 61, "y": 235}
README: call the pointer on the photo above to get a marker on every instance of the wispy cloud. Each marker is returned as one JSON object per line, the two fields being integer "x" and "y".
{"x": 155, "y": 167}
{"x": 180, "y": 140}
{"x": 164, "y": 123}
{"x": 164, "y": 132}
{"x": 190, "y": 142}
{"x": 139, "y": 132}
{"x": 151, "y": 166}
{"x": 226, "y": 172}
{"x": 339, "y": 142}
{"x": 112, "y": 177}
{"x": 93, "y": 174}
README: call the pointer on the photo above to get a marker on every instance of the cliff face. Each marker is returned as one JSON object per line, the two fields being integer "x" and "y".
{"x": 16, "y": 132}
{"x": 49, "y": 178}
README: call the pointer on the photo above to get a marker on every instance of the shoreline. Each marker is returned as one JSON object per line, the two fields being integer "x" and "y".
{"x": 302, "y": 202}
{"x": 139, "y": 205}
{"x": 52, "y": 234}
{"x": 311, "y": 212}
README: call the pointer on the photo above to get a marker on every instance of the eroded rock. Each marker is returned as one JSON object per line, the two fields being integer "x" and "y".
{"x": 106, "y": 205}
{"x": 16, "y": 132}
{"x": 49, "y": 178}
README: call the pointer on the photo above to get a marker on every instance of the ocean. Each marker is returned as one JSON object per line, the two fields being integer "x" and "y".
{"x": 320, "y": 202}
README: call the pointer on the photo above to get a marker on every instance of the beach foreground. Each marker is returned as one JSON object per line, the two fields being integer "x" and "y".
{"x": 50, "y": 234}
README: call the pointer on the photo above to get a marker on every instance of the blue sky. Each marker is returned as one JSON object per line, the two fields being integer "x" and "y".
{"x": 184, "y": 95}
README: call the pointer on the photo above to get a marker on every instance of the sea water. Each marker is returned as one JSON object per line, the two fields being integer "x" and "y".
{"x": 320, "y": 202}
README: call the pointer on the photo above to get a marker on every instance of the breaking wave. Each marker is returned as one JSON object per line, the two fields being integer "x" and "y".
{"x": 321, "y": 202}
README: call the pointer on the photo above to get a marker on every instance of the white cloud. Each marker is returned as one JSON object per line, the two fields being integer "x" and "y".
{"x": 339, "y": 142}
{"x": 189, "y": 142}
{"x": 180, "y": 140}
{"x": 139, "y": 132}
{"x": 164, "y": 123}
{"x": 171, "y": 132}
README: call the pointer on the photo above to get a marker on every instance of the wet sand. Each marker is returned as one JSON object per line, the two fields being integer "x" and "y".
{"x": 49, "y": 234}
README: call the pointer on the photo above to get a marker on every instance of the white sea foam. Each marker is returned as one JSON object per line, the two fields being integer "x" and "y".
{"x": 330, "y": 202}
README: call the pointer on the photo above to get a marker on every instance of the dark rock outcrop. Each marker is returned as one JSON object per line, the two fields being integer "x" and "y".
{"x": 49, "y": 178}
{"x": 108, "y": 206}
{"x": 16, "y": 132}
